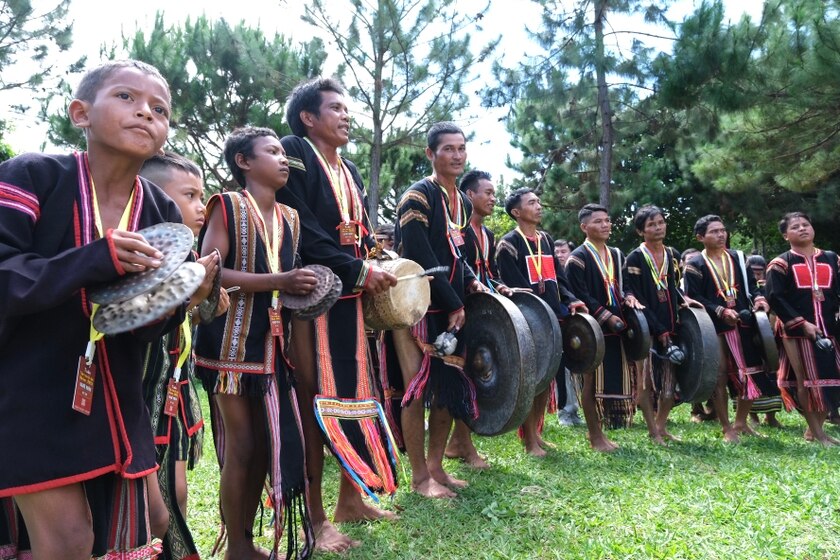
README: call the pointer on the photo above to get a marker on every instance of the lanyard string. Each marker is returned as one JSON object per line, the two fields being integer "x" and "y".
{"x": 724, "y": 282}
{"x": 482, "y": 260}
{"x": 607, "y": 271}
{"x": 659, "y": 279}
{"x": 811, "y": 263}
{"x": 186, "y": 347}
{"x": 460, "y": 210}
{"x": 538, "y": 264}
{"x": 95, "y": 335}
{"x": 272, "y": 242}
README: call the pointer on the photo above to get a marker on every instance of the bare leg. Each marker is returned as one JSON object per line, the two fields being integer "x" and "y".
{"x": 771, "y": 420}
{"x": 351, "y": 507}
{"x": 59, "y": 523}
{"x": 597, "y": 440}
{"x": 814, "y": 419}
{"x": 238, "y": 491}
{"x": 440, "y": 422}
{"x": 720, "y": 396}
{"x": 530, "y": 435}
{"x": 644, "y": 402}
{"x": 302, "y": 353}
{"x": 158, "y": 514}
{"x": 181, "y": 486}
{"x": 460, "y": 446}
{"x": 413, "y": 425}
{"x": 665, "y": 406}
{"x": 742, "y": 410}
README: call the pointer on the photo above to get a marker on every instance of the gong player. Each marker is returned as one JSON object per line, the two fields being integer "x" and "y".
{"x": 431, "y": 217}
{"x": 593, "y": 270}
{"x": 718, "y": 280}
{"x": 651, "y": 273}
{"x": 526, "y": 260}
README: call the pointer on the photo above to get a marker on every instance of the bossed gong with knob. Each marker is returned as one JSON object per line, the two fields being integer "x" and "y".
{"x": 765, "y": 341}
{"x": 545, "y": 331}
{"x": 500, "y": 360}
{"x": 636, "y": 336}
{"x": 697, "y": 374}
{"x": 174, "y": 240}
{"x": 583, "y": 343}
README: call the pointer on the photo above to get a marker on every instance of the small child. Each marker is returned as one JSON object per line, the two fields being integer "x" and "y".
{"x": 241, "y": 357}
{"x": 78, "y": 449}
{"x": 176, "y": 420}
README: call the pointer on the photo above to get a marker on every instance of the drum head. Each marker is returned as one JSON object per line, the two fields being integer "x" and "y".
{"x": 175, "y": 241}
{"x": 545, "y": 331}
{"x": 323, "y": 288}
{"x": 500, "y": 360}
{"x": 583, "y": 343}
{"x": 637, "y": 335}
{"x": 120, "y": 317}
{"x": 403, "y": 305}
{"x": 766, "y": 342}
{"x": 697, "y": 375}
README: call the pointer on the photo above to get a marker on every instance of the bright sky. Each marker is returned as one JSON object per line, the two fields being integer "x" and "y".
{"x": 97, "y": 23}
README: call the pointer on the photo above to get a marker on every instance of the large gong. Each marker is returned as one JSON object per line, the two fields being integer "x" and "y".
{"x": 766, "y": 342}
{"x": 500, "y": 360}
{"x": 636, "y": 336}
{"x": 697, "y": 375}
{"x": 583, "y": 343}
{"x": 545, "y": 331}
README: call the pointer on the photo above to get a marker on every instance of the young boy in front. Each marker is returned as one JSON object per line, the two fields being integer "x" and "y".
{"x": 176, "y": 421}
{"x": 79, "y": 457}
{"x": 241, "y": 356}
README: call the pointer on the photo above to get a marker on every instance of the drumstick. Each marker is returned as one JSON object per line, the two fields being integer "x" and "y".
{"x": 231, "y": 289}
{"x": 427, "y": 272}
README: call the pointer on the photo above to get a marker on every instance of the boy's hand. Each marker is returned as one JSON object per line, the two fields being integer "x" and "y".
{"x": 133, "y": 252}
{"x": 299, "y": 281}
{"x": 211, "y": 265}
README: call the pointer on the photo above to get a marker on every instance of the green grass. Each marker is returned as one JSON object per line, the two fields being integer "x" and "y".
{"x": 769, "y": 498}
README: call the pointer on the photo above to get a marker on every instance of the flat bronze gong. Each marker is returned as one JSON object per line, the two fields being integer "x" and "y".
{"x": 500, "y": 360}
{"x": 175, "y": 241}
{"x": 636, "y": 336}
{"x": 583, "y": 343}
{"x": 697, "y": 374}
{"x": 766, "y": 342}
{"x": 545, "y": 331}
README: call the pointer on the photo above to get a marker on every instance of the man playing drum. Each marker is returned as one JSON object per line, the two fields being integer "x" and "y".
{"x": 526, "y": 260}
{"x": 327, "y": 192}
{"x": 431, "y": 217}
{"x": 651, "y": 275}
{"x": 593, "y": 270}
{"x": 716, "y": 279}
{"x": 803, "y": 288}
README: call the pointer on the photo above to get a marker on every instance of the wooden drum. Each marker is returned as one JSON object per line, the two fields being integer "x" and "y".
{"x": 403, "y": 305}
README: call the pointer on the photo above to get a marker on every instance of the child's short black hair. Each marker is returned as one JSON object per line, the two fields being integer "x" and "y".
{"x": 644, "y": 214}
{"x": 92, "y": 81}
{"x": 307, "y": 97}
{"x": 514, "y": 200}
{"x": 785, "y": 221}
{"x": 470, "y": 180}
{"x": 158, "y": 168}
{"x": 241, "y": 141}
{"x": 702, "y": 224}
{"x": 439, "y": 129}
{"x": 590, "y": 209}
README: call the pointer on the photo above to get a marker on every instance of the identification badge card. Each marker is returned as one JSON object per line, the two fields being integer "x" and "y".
{"x": 456, "y": 237}
{"x": 730, "y": 302}
{"x": 819, "y": 295}
{"x": 541, "y": 286}
{"x": 662, "y": 296}
{"x": 276, "y": 321}
{"x": 347, "y": 234}
{"x": 83, "y": 394}
{"x": 173, "y": 396}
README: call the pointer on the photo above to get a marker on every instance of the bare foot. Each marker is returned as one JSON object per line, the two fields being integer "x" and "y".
{"x": 362, "y": 511}
{"x": 447, "y": 479}
{"x": 657, "y": 439}
{"x": 469, "y": 455}
{"x": 669, "y": 436}
{"x": 329, "y": 539}
{"x": 771, "y": 421}
{"x": 748, "y": 430}
{"x": 545, "y": 444}
{"x": 602, "y": 444}
{"x": 535, "y": 450}
{"x": 730, "y": 435}
{"x": 808, "y": 435}
{"x": 246, "y": 551}
{"x": 431, "y": 488}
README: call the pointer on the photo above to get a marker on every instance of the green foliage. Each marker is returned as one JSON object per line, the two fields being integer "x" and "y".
{"x": 406, "y": 62}
{"x": 221, "y": 76}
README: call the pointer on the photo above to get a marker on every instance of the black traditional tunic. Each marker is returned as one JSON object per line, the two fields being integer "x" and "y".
{"x": 800, "y": 289}
{"x": 479, "y": 251}
{"x": 49, "y": 256}
{"x": 732, "y": 288}
{"x": 656, "y": 289}
{"x": 428, "y": 234}
{"x": 601, "y": 292}
{"x": 328, "y": 203}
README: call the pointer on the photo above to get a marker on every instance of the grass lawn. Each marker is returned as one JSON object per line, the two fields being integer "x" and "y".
{"x": 777, "y": 497}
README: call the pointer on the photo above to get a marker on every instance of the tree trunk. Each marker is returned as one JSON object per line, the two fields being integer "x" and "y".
{"x": 607, "y": 132}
